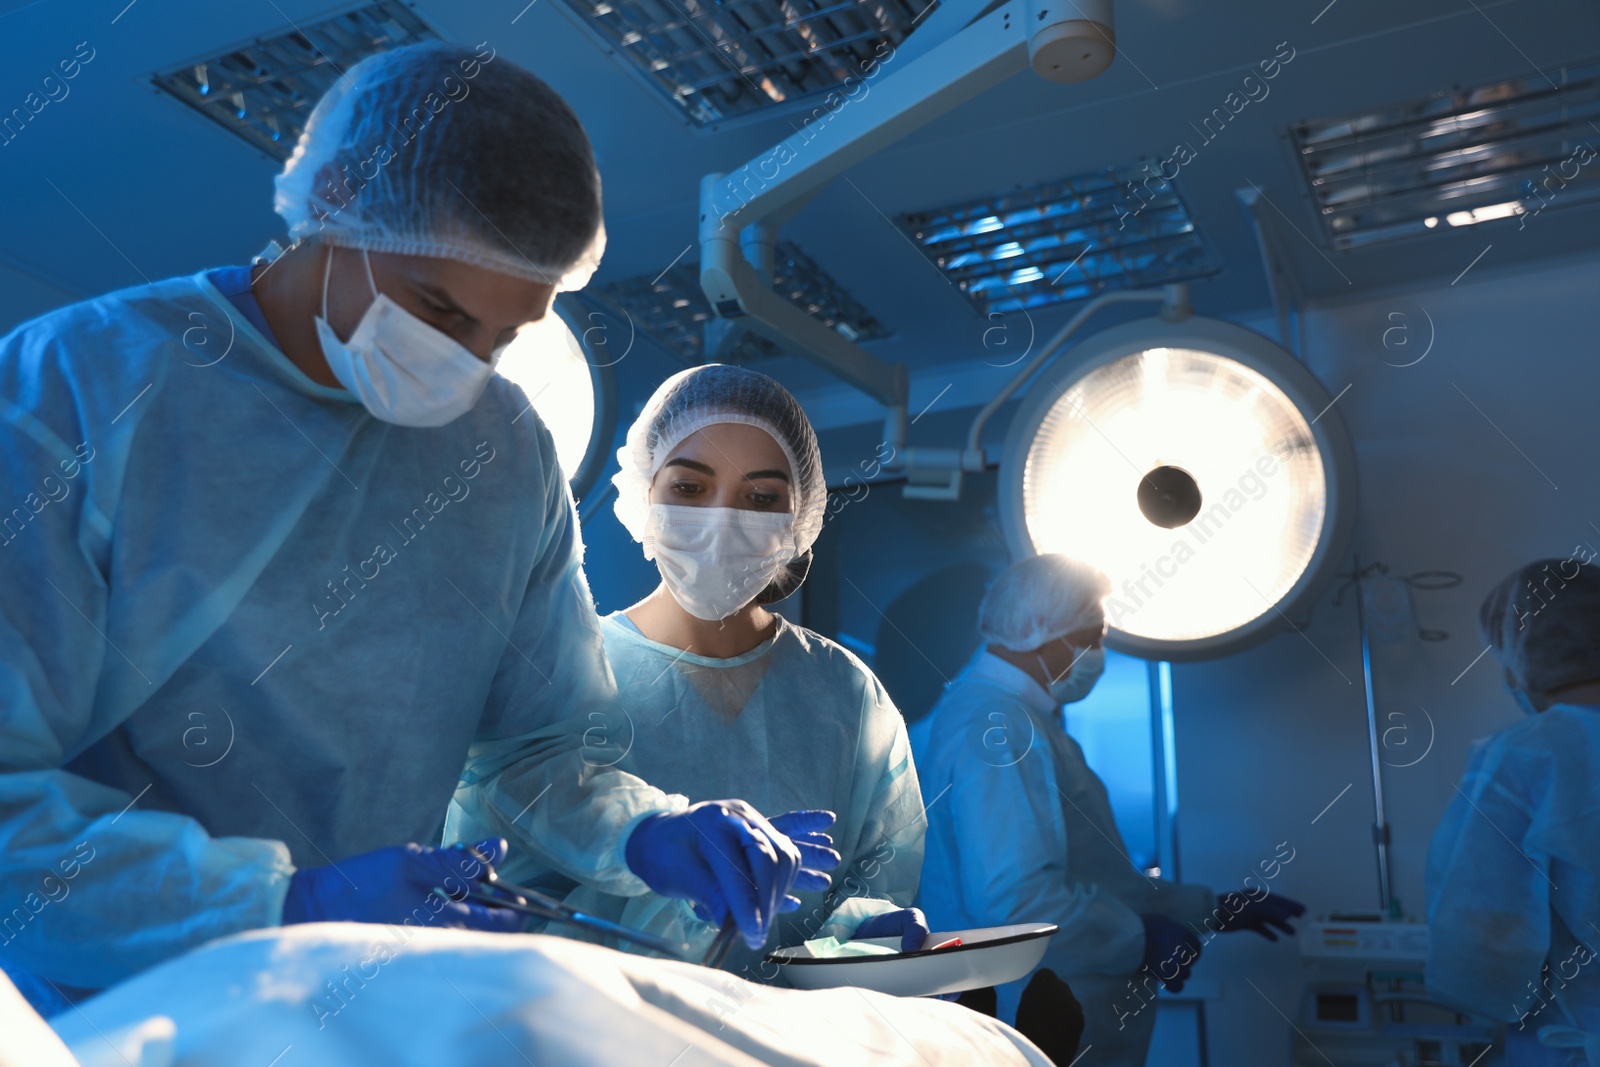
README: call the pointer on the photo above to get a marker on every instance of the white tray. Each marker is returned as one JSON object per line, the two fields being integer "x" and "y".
{"x": 987, "y": 957}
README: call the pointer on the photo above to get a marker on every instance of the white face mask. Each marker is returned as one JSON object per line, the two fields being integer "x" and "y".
{"x": 1087, "y": 667}
{"x": 714, "y": 561}
{"x": 400, "y": 368}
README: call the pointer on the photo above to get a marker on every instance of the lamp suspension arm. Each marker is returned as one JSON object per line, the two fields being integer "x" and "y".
{"x": 983, "y": 54}
{"x": 1175, "y": 308}
{"x": 741, "y": 211}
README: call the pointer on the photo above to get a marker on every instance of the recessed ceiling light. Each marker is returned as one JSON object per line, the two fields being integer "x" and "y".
{"x": 1064, "y": 241}
{"x": 264, "y": 91}
{"x": 1468, "y": 156}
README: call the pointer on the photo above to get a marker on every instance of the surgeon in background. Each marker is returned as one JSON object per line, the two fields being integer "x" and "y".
{"x": 1513, "y": 877}
{"x": 285, "y": 567}
{"x": 721, "y": 481}
{"x": 1020, "y": 828}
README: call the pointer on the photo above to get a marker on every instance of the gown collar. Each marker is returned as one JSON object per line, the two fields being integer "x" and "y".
{"x": 626, "y": 626}
{"x": 989, "y": 669}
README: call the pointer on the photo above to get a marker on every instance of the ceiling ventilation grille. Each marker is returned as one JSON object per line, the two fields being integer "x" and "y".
{"x": 1456, "y": 158}
{"x": 718, "y": 60}
{"x": 673, "y": 309}
{"x": 264, "y": 91}
{"x": 1118, "y": 228}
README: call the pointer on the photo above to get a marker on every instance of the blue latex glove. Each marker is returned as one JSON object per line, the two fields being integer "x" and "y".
{"x": 722, "y": 855}
{"x": 390, "y": 885}
{"x": 1170, "y": 950}
{"x": 805, "y": 829}
{"x": 909, "y": 923}
{"x": 1261, "y": 916}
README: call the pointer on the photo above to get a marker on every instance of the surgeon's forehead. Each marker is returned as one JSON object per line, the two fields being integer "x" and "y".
{"x": 489, "y": 296}
{"x": 733, "y": 447}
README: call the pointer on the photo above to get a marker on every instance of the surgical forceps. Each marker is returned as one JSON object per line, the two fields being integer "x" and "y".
{"x": 490, "y": 890}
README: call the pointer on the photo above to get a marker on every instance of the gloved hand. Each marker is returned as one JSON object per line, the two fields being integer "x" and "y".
{"x": 390, "y": 885}
{"x": 1263, "y": 915}
{"x": 909, "y": 923}
{"x": 722, "y": 855}
{"x": 1170, "y": 950}
{"x": 805, "y": 828}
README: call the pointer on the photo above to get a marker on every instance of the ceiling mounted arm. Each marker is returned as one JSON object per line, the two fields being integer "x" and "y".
{"x": 740, "y": 212}
{"x": 737, "y": 290}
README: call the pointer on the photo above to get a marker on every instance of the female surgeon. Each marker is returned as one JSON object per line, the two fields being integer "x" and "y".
{"x": 722, "y": 482}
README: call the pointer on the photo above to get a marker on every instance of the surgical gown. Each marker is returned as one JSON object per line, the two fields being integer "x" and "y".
{"x": 797, "y": 722}
{"x": 1020, "y": 830}
{"x": 245, "y": 627}
{"x": 1513, "y": 883}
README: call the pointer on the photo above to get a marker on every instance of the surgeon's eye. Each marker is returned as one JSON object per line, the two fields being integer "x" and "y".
{"x": 687, "y": 488}
{"x": 439, "y": 311}
{"x": 764, "y": 500}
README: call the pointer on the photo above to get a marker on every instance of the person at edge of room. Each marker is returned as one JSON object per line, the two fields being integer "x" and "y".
{"x": 1022, "y": 830}
{"x": 721, "y": 481}
{"x": 1513, "y": 875}
{"x": 289, "y": 578}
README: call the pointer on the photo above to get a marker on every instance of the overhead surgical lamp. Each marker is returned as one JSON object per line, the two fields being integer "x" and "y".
{"x": 1131, "y": 455}
{"x": 1199, "y": 465}
{"x": 570, "y": 388}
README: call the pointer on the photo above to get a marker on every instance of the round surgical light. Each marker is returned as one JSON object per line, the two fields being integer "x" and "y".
{"x": 566, "y": 388}
{"x": 1200, "y": 466}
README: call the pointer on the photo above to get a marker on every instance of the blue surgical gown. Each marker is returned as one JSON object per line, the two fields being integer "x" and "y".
{"x": 797, "y": 722}
{"x": 245, "y": 627}
{"x": 1020, "y": 830}
{"x": 1513, "y": 884}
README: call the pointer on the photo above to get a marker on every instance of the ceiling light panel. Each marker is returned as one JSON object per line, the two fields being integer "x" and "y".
{"x": 673, "y": 309}
{"x": 1456, "y": 158}
{"x": 263, "y": 92}
{"x": 1118, "y": 228}
{"x": 716, "y": 61}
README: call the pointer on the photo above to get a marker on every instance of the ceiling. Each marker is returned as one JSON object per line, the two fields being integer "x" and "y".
{"x": 117, "y": 183}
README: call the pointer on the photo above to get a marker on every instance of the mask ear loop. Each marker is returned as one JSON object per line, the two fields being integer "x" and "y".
{"x": 366, "y": 261}
{"x": 1075, "y": 658}
{"x": 327, "y": 271}
{"x": 327, "y": 268}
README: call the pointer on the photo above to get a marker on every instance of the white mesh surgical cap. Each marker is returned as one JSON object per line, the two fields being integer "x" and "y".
{"x": 1039, "y": 599}
{"x": 1543, "y": 622}
{"x": 441, "y": 150}
{"x": 703, "y": 396}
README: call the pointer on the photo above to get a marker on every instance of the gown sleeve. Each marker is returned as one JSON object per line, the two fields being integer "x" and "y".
{"x": 544, "y": 770}
{"x": 94, "y": 889}
{"x": 1007, "y": 814}
{"x": 884, "y": 873}
{"x": 1488, "y": 892}
{"x": 1187, "y": 902}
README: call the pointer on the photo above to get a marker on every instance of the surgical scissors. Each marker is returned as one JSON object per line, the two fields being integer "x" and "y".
{"x": 492, "y": 891}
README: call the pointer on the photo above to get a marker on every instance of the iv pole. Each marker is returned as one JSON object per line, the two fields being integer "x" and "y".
{"x": 1380, "y": 822}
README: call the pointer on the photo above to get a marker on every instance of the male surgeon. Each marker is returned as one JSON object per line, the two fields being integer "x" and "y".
{"x": 1020, "y": 828}
{"x": 288, "y": 574}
